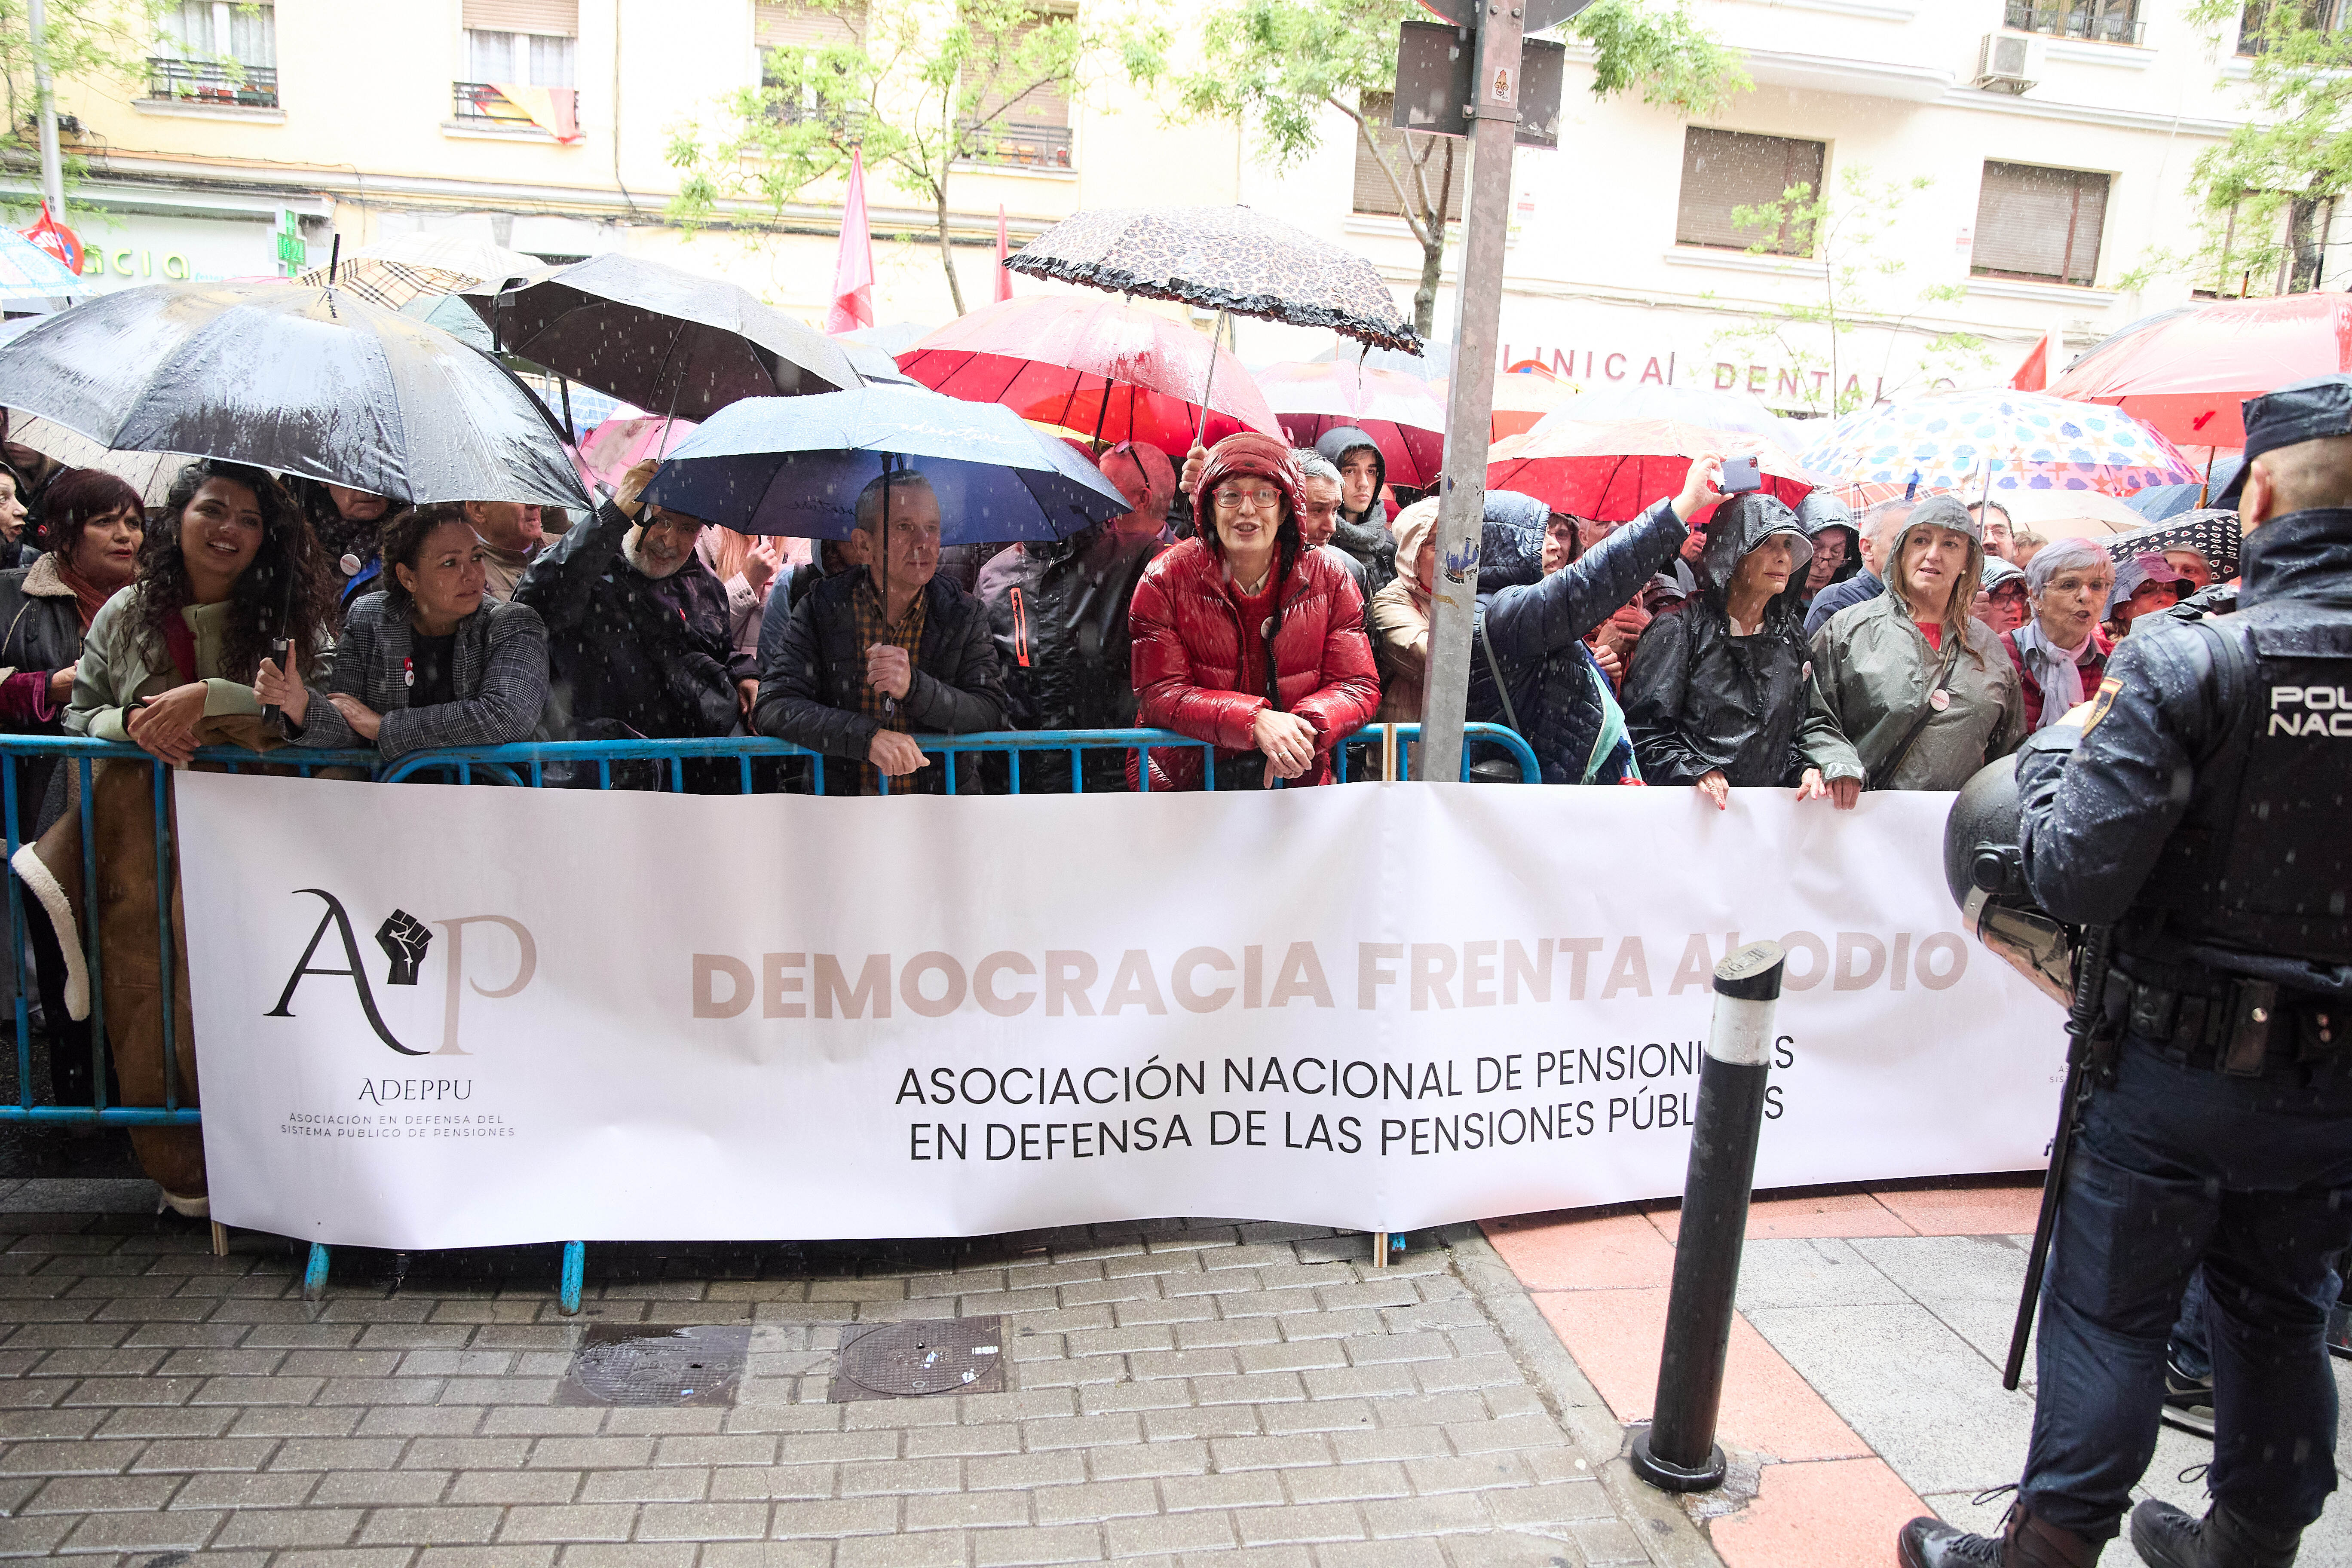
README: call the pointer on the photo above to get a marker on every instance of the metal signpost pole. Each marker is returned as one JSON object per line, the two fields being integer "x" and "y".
{"x": 53, "y": 179}
{"x": 1470, "y": 404}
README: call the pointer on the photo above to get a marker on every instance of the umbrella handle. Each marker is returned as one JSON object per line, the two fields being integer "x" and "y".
{"x": 277, "y": 652}
{"x": 1209, "y": 381}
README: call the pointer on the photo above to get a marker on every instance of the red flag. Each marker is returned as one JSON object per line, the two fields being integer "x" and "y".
{"x": 2033, "y": 375}
{"x": 1004, "y": 249}
{"x": 853, "y": 269}
{"x": 56, "y": 238}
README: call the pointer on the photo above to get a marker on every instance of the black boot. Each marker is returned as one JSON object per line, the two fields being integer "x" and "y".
{"x": 2025, "y": 1543}
{"x": 2167, "y": 1538}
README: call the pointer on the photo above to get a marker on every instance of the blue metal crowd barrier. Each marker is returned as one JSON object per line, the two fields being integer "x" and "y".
{"x": 524, "y": 765}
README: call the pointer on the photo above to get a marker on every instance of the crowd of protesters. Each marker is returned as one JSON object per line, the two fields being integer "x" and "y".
{"x": 1266, "y": 601}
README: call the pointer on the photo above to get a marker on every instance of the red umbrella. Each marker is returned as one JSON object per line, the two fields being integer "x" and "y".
{"x": 2186, "y": 371}
{"x": 1401, "y": 413}
{"x": 1095, "y": 365}
{"x": 1614, "y": 471}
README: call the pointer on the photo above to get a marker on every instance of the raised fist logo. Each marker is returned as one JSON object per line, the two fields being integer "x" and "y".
{"x": 1460, "y": 563}
{"x": 404, "y": 939}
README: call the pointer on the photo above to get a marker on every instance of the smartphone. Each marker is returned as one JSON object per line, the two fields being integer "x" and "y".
{"x": 1742, "y": 475}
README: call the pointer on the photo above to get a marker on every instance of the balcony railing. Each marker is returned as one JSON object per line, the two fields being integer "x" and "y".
{"x": 2100, "y": 21}
{"x": 213, "y": 82}
{"x": 482, "y": 104}
{"x": 1029, "y": 147}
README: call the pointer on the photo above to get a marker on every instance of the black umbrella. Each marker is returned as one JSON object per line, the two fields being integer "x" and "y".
{"x": 669, "y": 341}
{"x": 311, "y": 381}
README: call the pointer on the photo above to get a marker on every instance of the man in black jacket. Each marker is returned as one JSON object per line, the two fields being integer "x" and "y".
{"x": 636, "y": 627}
{"x": 867, "y": 659}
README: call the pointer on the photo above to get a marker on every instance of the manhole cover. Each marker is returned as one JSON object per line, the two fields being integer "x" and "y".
{"x": 908, "y": 1361}
{"x": 656, "y": 1364}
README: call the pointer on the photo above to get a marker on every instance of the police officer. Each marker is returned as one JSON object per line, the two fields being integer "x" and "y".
{"x": 2202, "y": 815}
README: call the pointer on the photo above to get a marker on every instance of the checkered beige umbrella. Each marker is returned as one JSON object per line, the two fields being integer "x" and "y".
{"x": 413, "y": 266}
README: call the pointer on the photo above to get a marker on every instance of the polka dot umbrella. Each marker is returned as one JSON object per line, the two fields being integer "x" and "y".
{"x": 2031, "y": 441}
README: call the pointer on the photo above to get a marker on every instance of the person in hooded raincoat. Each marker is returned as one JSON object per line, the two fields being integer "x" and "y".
{"x": 1362, "y": 532}
{"x": 1246, "y": 639}
{"x": 1721, "y": 693}
{"x": 1531, "y": 666}
{"x": 1830, "y": 530}
{"x": 1922, "y": 689}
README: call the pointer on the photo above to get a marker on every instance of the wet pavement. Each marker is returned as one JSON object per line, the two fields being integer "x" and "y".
{"x": 1865, "y": 1379}
{"x": 1176, "y": 1392}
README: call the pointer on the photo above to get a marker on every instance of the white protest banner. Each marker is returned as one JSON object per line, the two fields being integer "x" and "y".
{"x": 603, "y": 1016}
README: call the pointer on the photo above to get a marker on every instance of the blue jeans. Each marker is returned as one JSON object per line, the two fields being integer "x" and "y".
{"x": 2179, "y": 1166}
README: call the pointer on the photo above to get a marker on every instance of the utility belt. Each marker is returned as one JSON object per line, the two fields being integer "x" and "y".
{"x": 2231, "y": 1024}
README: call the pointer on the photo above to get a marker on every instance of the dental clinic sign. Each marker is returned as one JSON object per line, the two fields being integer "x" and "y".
{"x": 559, "y": 1015}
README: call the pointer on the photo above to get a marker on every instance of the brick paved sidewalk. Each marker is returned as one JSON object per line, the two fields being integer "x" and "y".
{"x": 1181, "y": 1391}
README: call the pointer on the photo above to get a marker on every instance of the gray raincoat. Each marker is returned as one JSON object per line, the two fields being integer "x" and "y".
{"x": 1878, "y": 675}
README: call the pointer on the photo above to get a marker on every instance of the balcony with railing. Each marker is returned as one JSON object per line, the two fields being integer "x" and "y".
{"x": 222, "y": 83}
{"x": 1019, "y": 146}
{"x": 479, "y": 107}
{"x": 2096, "y": 21}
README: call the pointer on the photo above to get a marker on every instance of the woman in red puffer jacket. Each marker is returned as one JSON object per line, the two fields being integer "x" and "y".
{"x": 1246, "y": 638}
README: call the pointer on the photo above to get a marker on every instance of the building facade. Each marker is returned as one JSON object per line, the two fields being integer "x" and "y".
{"x": 2026, "y": 165}
{"x": 2037, "y": 158}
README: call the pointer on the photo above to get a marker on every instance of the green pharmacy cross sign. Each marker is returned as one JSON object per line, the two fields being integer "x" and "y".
{"x": 293, "y": 254}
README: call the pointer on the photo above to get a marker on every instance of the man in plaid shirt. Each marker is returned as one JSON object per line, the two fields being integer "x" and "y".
{"x": 868, "y": 659}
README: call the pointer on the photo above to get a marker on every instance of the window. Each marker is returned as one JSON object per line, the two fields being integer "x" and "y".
{"x": 1374, "y": 194}
{"x": 794, "y": 24}
{"x": 2105, "y": 21}
{"x": 790, "y": 25}
{"x": 1032, "y": 126}
{"x": 523, "y": 42}
{"x": 214, "y": 51}
{"x": 1724, "y": 171}
{"x": 2040, "y": 224}
{"x": 2318, "y": 15}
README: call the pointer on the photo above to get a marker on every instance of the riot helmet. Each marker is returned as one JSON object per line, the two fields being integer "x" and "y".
{"x": 1984, "y": 867}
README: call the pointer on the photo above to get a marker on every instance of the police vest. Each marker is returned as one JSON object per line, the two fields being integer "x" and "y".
{"x": 2263, "y": 861}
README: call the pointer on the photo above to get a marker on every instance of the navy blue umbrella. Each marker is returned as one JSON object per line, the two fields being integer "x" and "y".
{"x": 795, "y": 465}
{"x": 2160, "y": 502}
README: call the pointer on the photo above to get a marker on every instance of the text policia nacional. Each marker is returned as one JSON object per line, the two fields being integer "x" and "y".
{"x": 1115, "y": 1109}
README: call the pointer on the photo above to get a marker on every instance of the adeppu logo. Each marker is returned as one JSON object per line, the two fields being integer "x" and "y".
{"x": 404, "y": 940}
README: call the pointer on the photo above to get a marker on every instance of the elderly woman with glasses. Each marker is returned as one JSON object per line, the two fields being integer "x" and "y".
{"x": 1246, "y": 638}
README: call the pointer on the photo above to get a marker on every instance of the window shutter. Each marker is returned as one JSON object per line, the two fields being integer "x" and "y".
{"x": 784, "y": 24}
{"x": 1373, "y": 192}
{"x": 1048, "y": 105}
{"x": 2040, "y": 223}
{"x": 1726, "y": 170}
{"x": 550, "y": 18}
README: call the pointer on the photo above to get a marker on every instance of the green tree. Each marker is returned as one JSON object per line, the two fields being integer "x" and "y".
{"x": 921, "y": 88}
{"x": 2265, "y": 192}
{"x": 1844, "y": 233}
{"x": 85, "y": 39}
{"x": 1279, "y": 64}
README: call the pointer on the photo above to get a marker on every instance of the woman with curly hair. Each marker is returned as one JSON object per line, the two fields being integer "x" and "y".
{"x": 168, "y": 666}
{"x": 230, "y": 568}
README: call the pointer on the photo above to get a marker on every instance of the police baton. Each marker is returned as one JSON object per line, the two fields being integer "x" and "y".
{"x": 2081, "y": 1024}
{"x": 1677, "y": 1452}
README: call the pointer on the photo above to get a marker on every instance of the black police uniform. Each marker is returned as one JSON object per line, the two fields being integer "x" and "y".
{"x": 2203, "y": 814}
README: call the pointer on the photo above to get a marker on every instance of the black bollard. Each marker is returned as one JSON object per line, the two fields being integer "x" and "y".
{"x": 1677, "y": 1452}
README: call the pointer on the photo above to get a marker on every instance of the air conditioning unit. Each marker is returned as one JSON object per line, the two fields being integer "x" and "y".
{"x": 2010, "y": 62}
